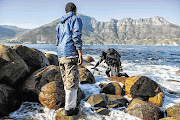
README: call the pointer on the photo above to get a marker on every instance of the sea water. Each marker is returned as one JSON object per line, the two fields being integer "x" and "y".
{"x": 160, "y": 63}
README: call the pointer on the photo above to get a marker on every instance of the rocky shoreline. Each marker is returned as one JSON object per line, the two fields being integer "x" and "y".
{"x": 28, "y": 74}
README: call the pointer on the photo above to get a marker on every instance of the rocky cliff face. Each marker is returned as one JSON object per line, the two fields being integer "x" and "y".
{"x": 148, "y": 31}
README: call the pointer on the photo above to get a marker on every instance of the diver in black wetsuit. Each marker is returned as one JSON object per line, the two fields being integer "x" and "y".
{"x": 112, "y": 59}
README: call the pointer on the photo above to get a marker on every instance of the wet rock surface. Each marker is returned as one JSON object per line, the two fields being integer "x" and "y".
{"x": 112, "y": 88}
{"x": 12, "y": 68}
{"x": 52, "y": 95}
{"x": 34, "y": 58}
{"x": 118, "y": 79}
{"x": 114, "y": 101}
{"x": 97, "y": 100}
{"x": 144, "y": 88}
{"x": 158, "y": 99}
{"x": 129, "y": 83}
{"x": 107, "y": 101}
{"x": 89, "y": 59}
{"x": 32, "y": 86}
{"x": 8, "y": 100}
{"x": 53, "y": 59}
{"x": 85, "y": 76}
{"x": 173, "y": 111}
{"x": 144, "y": 110}
{"x": 103, "y": 111}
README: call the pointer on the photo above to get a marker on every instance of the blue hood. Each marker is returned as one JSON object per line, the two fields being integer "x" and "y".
{"x": 65, "y": 17}
{"x": 69, "y": 32}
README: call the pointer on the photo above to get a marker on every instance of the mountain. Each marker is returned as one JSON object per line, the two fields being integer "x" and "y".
{"x": 8, "y": 32}
{"x": 143, "y": 31}
{"x": 42, "y": 34}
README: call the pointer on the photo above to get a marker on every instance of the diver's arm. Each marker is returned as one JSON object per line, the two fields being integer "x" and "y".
{"x": 120, "y": 67}
{"x": 98, "y": 63}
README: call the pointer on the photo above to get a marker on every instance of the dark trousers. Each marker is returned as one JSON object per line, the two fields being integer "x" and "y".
{"x": 115, "y": 71}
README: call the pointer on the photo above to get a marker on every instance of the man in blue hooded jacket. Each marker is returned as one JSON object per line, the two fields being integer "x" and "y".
{"x": 69, "y": 45}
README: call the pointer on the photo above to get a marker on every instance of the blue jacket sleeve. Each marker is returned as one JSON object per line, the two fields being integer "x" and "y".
{"x": 57, "y": 34}
{"x": 77, "y": 32}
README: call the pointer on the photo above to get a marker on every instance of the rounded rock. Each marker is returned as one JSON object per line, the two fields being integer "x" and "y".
{"x": 89, "y": 59}
{"x": 12, "y": 68}
{"x": 112, "y": 88}
{"x": 52, "y": 95}
{"x": 85, "y": 76}
{"x": 173, "y": 111}
{"x": 8, "y": 100}
{"x": 144, "y": 110}
{"x": 32, "y": 86}
{"x": 34, "y": 58}
{"x": 53, "y": 59}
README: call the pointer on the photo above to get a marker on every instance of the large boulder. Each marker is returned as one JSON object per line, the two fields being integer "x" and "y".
{"x": 144, "y": 110}
{"x": 112, "y": 88}
{"x": 173, "y": 111}
{"x": 52, "y": 95}
{"x": 53, "y": 59}
{"x": 12, "y": 68}
{"x": 8, "y": 100}
{"x": 34, "y": 58}
{"x": 89, "y": 59}
{"x": 144, "y": 88}
{"x": 118, "y": 79}
{"x": 32, "y": 86}
{"x": 85, "y": 76}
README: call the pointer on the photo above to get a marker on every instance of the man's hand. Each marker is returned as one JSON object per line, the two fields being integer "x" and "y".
{"x": 80, "y": 60}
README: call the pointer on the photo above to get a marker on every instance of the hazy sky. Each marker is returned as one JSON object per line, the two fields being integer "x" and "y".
{"x": 33, "y": 13}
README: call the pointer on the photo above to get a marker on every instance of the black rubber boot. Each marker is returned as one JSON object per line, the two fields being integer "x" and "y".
{"x": 71, "y": 112}
{"x": 123, "y": 74}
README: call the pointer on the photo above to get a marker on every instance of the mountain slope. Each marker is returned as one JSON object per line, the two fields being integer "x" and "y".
{"x": 8, "y": 32}
{"x": 148, "y": 31}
